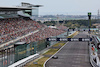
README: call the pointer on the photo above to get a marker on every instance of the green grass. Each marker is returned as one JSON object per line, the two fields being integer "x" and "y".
{"x": 51, "y": 52}
{"x": 61, "y": 44}
{"x": 40, "y": 62}
{"x": 73, "y": 35}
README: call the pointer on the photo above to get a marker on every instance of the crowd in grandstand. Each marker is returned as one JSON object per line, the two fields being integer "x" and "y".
{"x": 13, "y": 28}
{"x": 61, "y": 27}
{"x": 42, "y": 34}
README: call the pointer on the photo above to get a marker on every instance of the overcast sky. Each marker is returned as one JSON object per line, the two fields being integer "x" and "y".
{"x": 68, "y": 7}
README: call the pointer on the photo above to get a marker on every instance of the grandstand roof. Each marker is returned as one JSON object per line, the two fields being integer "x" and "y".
{"x": 15, "y": 8}
{"x": 30, "y": 5}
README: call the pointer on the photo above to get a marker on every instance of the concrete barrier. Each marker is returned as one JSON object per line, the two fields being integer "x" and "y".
{"x": 24, "y": 61}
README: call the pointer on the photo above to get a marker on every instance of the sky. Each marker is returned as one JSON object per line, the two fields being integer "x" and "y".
{"x": 54, "y": 7}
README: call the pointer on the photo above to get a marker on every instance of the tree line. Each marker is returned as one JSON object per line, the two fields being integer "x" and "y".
{"x": 73, "y": 23}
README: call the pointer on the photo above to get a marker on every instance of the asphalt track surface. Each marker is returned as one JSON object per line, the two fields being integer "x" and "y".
{"x": 73, "y": 54}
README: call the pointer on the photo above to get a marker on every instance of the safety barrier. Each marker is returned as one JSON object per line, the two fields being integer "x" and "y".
{"x": 93, "y": 63}
{"x": 24, "y": 61}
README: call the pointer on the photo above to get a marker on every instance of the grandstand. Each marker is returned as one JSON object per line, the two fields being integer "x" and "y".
{"x": 16, "y": 25}
{"x": 13, "y": 28}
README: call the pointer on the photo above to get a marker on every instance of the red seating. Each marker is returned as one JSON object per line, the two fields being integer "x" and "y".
{"x": 61, "y": 27}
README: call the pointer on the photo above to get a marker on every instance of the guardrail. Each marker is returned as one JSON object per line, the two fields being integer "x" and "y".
{"x": 24, "y": 61}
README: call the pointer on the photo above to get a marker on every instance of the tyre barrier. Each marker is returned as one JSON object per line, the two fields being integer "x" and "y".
{"x": 22, "y": 62}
